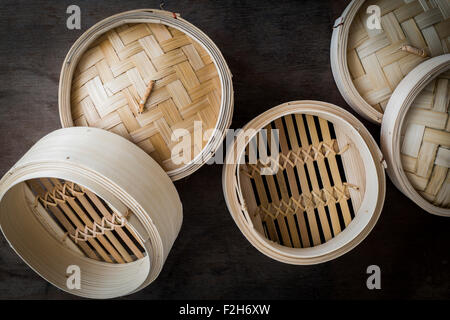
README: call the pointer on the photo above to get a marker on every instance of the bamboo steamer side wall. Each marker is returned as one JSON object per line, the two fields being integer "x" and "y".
{"x": 118, "y": 172}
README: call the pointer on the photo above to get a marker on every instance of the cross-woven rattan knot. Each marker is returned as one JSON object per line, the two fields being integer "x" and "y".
{"x": 305, "y": 202}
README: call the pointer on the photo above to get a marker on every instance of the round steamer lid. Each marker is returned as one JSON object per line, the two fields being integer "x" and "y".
{"x": 368, "y": 63}
{"x": 155, "y": 79}
{"x": 112, "y": 215}
{"x": 315, "y": 195}
{"x": 415, "y": 135}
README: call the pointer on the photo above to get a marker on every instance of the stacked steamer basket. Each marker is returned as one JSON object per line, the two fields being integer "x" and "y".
{"x": 108, "y": 70}
{"x": 415, "y": 135}
{"x": 90, "y": 198}
{"x": 114, "y": 214}
{"x": 314, "y": 198}
{"x": 396, "y": 75}
{"x": 368, "y": 63}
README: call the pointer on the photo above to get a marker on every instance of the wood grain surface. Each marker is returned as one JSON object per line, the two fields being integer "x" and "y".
{"x": 277, "y": 52}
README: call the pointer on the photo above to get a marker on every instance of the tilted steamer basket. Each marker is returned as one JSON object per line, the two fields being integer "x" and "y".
{"x": 108, "y": 70}
{"x": 415, "y": 135}
{"x": 368, "y": 63}
{"x": 327, "y": 191}
{"x": 89, "y": 198}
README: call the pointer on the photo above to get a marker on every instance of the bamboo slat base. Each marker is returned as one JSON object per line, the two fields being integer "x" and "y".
{"x": 84, "y": 220}
{"x": 415, "y": 135}
{"x": 308, "y": 201}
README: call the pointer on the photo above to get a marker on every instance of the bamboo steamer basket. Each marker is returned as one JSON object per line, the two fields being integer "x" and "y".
{"x": 327, "y": 193}
{"x": 115, "y": 214}
{"x": 415, "y": 135}
{"x": 368, "y": 64}
{"x": 108, "y": 71}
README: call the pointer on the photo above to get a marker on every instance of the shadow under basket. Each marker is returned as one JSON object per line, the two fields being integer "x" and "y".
{"x": 153, "y": 78}
{"x": 65, "y": 204}
{"x": 309, "y": 185}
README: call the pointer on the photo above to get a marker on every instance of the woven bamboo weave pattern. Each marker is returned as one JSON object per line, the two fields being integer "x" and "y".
{"x": 113, "y": 74}
{"x": 85, "y": 220}
{"x": 375, "y": 59}
{"x": 292, "y": 158}
{"x": 425, "y": 146}
{"x": 306, "y": 202}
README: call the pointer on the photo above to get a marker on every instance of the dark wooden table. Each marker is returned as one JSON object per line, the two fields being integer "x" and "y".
{"x": 277, "y": 51}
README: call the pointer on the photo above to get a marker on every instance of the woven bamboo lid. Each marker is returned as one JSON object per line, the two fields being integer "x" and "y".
{"x": 64, "y": 205}
{"x": 368, "y": 64}
{"x": 153, "y": 78}
{"x": 415, "y": 135}
{"x": 311, "y": 197}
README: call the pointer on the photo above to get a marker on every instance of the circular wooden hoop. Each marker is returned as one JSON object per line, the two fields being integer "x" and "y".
{"x": 121, "y": 174}
{"x": 395, "y": 113}
{"x": 167, "y": 18}
{"x": 366, "y": 216}
{"x": 339, "y": 67}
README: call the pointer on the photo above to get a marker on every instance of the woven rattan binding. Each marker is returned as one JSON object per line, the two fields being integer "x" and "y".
{"x": 292, "y": 158}
{"x": 307, "y": 202}
{"x": 113, "y": 75}
{"x": 96, "y": 230}
{"x": 375, "y": 57}
{"x": 425, "y": 149}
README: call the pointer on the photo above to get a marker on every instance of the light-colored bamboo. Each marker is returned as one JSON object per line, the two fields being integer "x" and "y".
{"x": 415, "y": 135}
{"x": 369, "y": 63}
{"x": 106, "y": 82}
{"x": 97, "y": 224}
{"x": 311, "y": 210}
{"x": 118, "y": 178}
